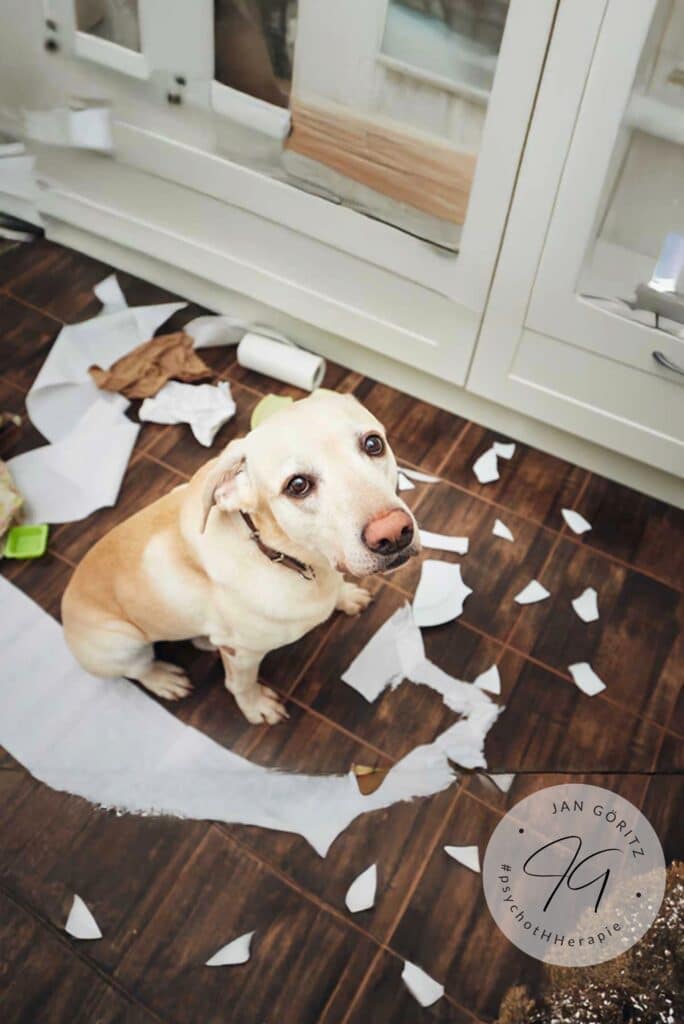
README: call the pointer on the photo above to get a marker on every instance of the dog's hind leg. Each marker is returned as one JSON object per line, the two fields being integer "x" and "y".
{"x": 111, "y": 648}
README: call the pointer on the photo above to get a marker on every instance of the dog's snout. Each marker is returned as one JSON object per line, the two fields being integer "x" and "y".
{"x": 388, "y": 533}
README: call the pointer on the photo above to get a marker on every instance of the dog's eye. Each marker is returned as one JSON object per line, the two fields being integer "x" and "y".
{"x": 298, "y": 486}
{"x": 373, "y": 444}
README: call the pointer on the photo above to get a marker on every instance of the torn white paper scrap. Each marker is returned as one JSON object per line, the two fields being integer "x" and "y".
{"x": 424, "y": 989}
{"x": 63, "y": 391}
{"x": 586, "y": 605}
{"x": 441, "y": 593}
{"x": 80, "y": 922}
{"x": 110, "y": 743}
{"x": 110, "y": 295}
{"x": 421, "y": 478}
{"x": 206, "y": 407}
{"x": 236, "y": 952}
{"x": 586, "y": 679}
{"x": 503, "y": 780}
{"x": 489, "y": 680}
{"x": 501, "y": 530}
{"x": 210, "y": 331}
{"x": 532, "y": 593}
{"x": 576, "y": 522}
{"x": 66, "y": 481}
{"x": 469, "y": 856}
{"x": 403, "y": 482}
{"x": 396, "y": 653}
{"x": 503, "y": 450}
{"x": 361, "y": 893}
{"x": 442, "y": 542}
{"x": 486, "y": 468}
{"x": 82, "y": 125}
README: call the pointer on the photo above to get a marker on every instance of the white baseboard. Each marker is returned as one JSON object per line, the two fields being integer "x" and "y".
{"x": 397, "y": 374}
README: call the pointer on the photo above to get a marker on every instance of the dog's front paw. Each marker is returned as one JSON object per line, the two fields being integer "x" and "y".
{"x": 353, "y": 599}
{"x": 261, "y": 704}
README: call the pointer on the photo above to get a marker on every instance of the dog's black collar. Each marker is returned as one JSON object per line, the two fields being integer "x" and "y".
{"x": 289, "y": 561}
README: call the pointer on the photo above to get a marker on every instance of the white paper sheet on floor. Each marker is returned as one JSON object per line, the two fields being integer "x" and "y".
{"x": 92, "y": 439}
{"x": 205, "y": 407}
{"x": 107, "y": 741}
{"x": 396, "y": 653}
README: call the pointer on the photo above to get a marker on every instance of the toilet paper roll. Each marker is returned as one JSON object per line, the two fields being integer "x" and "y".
{"x": 284, "y": 362}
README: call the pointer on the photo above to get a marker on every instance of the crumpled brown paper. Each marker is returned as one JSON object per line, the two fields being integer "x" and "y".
{"x": 142, "y": 372}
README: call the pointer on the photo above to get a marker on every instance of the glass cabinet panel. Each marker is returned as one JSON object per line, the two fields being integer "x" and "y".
{"x": 113, "y": 20}
{"x": 388, "y": 100}
{"x": 635, "y": 262}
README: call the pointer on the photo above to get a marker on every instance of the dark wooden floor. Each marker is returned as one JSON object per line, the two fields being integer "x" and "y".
{"x": 168, "y": 893}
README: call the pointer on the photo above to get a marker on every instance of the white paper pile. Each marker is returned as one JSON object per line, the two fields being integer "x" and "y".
{"x": 361, "y": 893}
{"x": 206, "y": 407}
{"x": 108, "y": 742}
{"x": 92, "y": 439}
{"x": 235, "y": 952}
{"x": 440, "y": 594}
{"x": 396, "y": 653}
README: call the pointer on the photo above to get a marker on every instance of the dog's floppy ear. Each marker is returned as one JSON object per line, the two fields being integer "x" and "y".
{"x": 227, "y": 484}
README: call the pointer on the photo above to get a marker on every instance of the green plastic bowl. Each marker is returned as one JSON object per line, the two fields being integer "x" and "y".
{"x": 26, "y": 541}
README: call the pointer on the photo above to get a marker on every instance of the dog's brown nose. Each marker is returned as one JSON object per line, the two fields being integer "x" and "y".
{"x": 388, "y": 533}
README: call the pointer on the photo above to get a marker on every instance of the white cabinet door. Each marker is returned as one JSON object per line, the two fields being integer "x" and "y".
{"x": 378, "y": 217}
{"x": 575, "y": 334}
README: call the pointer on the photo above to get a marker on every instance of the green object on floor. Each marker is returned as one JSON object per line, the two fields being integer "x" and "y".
{"x": 26, "y": 541}
{"x": 267, "y": 406}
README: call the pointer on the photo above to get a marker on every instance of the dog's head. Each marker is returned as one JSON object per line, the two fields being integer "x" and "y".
{"x": 323, "y": 472}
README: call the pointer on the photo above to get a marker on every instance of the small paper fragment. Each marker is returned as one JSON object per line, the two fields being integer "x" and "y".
{"x": 421, "y": 478}
{"x": 403, "y": 482}
{"x": 424, "y": 989}
{"x": 80, "y": 922}
{"x": 503, "y": 780}
{"x": 503, "y": 450}
{"x": 489, "y": 680}
{"x": 442, "y": 542}
{"x": 501, "y": 530}
{"x": 368, "y": 778}
{"x": 486, "y": 467}
{"x": 235, "y": 952}
{"x": 576, "y": 522}
{"x": 440, "y": 595}
{"x": 586, "y": 605}
{"x": 108, "y": 291}
{"x": 469, "y": 856}
{"x": 210, "y": 331}
{"x": 361, "y": 893}
{"x": 586, "y": 679}
{"x": 532, "y": 593}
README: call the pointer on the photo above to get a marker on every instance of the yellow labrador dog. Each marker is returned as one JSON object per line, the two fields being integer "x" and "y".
{"x": 249, "y": 555}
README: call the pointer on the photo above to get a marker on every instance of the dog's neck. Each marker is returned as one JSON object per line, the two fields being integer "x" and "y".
{"x": 304, "y": 569}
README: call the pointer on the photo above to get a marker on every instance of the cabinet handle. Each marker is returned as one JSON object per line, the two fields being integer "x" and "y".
{"x": 662, "y": 359}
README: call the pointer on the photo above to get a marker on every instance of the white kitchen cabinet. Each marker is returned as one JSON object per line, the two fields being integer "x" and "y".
{"x": 453, "y": 195}
{"x": 565, "y": 337}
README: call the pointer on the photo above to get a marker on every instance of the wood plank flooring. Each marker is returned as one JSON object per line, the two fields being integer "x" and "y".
{"x": 168, "y": 893}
